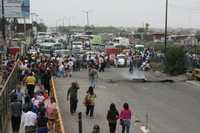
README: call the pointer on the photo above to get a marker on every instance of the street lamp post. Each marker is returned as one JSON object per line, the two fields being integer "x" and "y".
{"x": 166, "y": 22}
{"x": 87, "y": 17}
{"x": 3, "y": 20}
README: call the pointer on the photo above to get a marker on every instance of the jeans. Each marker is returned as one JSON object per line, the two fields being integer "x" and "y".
{"x": 42, "y": 130}
{"x": 90, "y": 110}
{"x": 126, "y": 126}
{"x": 93, "y": 82}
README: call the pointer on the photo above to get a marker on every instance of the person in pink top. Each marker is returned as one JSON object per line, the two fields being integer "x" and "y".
{"x": 125, "y": 118}
{"x": 51, "y": 111}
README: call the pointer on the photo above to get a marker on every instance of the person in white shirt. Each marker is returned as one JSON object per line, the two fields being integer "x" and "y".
{"x": 29, "y": 120}
{"x": 70, "y": 67}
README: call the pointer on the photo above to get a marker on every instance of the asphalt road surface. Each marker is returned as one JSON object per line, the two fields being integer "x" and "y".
{"x": 172, "y": 107}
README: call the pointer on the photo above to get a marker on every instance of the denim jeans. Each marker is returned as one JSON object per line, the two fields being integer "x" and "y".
{"x": 93, "y": 82}
{"x": 126, "y": 126}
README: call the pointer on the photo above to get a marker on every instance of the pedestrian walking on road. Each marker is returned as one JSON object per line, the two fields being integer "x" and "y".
{"x": 90, "y": 102}
{"x": 125, "y": 118}
{"x": 73, "y": 94}
{"x": 30, "y": 120}
{"x": 112, "y": 117}
{"x": 96, "y": 129}
{"x": 93, "y": 75}
{"x": 16, "y": 113}
{"x": 30, "y": 84}
{"x": 51, "y": 111}
{"x": 42, "y": 122}
{"x": 46, "y": 80}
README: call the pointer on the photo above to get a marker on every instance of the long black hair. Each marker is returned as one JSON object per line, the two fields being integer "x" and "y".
{"x": 90, "y": 90}
{"x": 113, "y": 107}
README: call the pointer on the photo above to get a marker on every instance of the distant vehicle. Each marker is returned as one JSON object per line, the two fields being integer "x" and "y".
{"x": 112, "y": 52}
{"x": 49, "y": 48}
{"x": 62, "y": 52}
{"x": 121, "y": 60}
{"x": 91, "y": 55}
{"x": 139, "y": 48}
{"x": 120, "y": 41}
{"x": 77, "y": 45}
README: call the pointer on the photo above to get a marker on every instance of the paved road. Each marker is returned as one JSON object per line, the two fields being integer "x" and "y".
{"x": 172, "y": 107}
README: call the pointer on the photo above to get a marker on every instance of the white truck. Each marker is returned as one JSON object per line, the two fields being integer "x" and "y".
{"x": 120, "y": 41}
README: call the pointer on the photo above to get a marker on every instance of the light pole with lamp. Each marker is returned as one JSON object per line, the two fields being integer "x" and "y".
{"x": 87, "y": 17}
{"x": 3, "y": 20}
{"x": 166, "y": 26}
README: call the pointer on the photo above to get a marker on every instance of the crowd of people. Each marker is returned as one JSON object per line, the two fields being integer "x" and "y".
{"x": 33, "y": 106}
{"x": 31, "y": 103}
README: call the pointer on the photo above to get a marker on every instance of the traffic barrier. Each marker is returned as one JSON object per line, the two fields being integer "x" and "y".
{"x": 59, "y": 128}
{"x": 196, "y": 73}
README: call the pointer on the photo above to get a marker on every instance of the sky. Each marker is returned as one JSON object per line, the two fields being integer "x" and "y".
{"x": 126, "y": 13}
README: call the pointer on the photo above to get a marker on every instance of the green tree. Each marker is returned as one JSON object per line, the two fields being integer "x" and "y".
{"x": 41, "y": 27}
{"x": 174, "y": 62}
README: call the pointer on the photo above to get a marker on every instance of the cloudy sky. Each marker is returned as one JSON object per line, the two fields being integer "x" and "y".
{"x": 182, "y": 13}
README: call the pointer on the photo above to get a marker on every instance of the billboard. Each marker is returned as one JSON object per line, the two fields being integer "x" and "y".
{"x": 16, "y": 8}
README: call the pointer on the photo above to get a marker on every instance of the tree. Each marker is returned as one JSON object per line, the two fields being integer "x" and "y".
{"x": 174, "y": 62}
{"x": 41, "y": 27}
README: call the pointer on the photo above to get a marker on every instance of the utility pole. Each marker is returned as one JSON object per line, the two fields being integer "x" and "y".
{"x": 166, "y": 26}
{"x": 3, "y": 20}
{"x": 87, "y": 17}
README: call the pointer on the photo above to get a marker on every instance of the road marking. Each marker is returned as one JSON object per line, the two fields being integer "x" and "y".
{"x": 144, "y": 130}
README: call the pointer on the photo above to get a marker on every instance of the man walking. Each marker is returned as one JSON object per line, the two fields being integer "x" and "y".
{"x": 93, "y": 75}
{"x": 73, "y": 94}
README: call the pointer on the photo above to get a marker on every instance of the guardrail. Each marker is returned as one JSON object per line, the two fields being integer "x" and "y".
{"x": 9, "y": 85}
{"x": 59, "y": 128}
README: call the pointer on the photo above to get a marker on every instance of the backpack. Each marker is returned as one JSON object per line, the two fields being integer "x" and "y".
{"x": 87, "y": 100}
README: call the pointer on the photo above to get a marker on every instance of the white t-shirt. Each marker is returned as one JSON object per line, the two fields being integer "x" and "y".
{"x": 30, "y": 118}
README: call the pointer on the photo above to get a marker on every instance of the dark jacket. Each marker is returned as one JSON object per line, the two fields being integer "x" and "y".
{"x": 73, "y": 93}
{"x": 112, "y": 116}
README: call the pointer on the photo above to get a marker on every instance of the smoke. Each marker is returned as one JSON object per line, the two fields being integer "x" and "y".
{"x": 137, "y": 74}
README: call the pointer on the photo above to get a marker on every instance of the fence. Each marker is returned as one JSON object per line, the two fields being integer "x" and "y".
{"x": 59, "y": 128}
{"x": 9, "y": 85}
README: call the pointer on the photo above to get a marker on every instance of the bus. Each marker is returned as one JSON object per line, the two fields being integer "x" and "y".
{"x": 48, "y": 48}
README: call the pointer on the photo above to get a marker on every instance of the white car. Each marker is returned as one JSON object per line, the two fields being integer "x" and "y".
{"x": 121, "y": 60}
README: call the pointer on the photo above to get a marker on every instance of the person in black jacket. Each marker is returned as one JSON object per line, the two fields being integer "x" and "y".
{"x": 73, "y": 94}
{"x": 42, "y": 123}
{"x": 112, "y": 117}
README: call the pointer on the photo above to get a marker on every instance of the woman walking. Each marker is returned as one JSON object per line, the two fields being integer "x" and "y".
{"x": 90, "y": 102}
{"x": 51, "y": 111}
{"x": 125, "y": 118}
{"x": 16, "y": 113}
{"x": 112, "y": 117}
